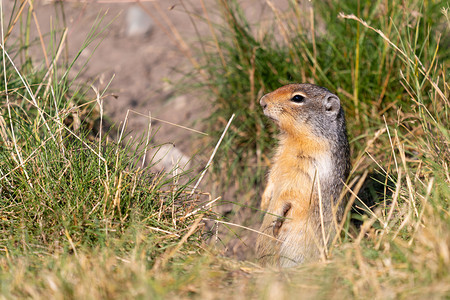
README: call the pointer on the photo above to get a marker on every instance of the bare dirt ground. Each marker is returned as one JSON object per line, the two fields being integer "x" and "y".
{"x": 144, "y": 68}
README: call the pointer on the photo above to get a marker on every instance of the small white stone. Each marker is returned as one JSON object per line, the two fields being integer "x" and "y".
{"x": 169, "y": 158}
{"x": 138, "y": 22}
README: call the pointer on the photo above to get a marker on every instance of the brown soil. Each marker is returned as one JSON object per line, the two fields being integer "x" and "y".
{"x": 145, "y": 68}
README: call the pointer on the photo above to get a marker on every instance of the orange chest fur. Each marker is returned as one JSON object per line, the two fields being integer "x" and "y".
{"x": 296, "y": 171}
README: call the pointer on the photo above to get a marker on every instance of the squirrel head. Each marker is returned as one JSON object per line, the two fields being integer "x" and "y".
{"x": 305, "y": 110}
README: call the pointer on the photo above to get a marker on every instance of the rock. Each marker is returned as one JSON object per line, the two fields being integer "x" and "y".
{"x": 138, "y": 22}
{"x": 167, "y": 157}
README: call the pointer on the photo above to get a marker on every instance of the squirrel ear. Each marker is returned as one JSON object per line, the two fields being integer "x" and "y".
{"x": 332, "y": 104}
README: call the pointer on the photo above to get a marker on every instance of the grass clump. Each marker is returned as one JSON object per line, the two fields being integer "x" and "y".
{"x": 312, "y": 43}
{"x": 79, "y": 213}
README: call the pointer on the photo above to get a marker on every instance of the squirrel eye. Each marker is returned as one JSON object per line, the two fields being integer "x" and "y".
{"x": 298, "y": 99}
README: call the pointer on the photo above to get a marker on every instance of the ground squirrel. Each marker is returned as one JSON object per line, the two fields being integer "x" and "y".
{"x": 313, "y": 152}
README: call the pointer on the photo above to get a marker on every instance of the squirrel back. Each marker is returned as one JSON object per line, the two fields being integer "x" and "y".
{"x": 302, "y": 198}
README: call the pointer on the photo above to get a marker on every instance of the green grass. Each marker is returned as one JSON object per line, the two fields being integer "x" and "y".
{"x": 81, "y": 218}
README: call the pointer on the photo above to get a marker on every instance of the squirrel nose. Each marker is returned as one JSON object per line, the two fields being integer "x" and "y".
{"x": 263, "y": 102}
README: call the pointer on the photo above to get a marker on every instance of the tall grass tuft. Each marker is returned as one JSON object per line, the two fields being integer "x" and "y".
{"x": 312, "y": 43}
{"x": 75, "y": 205}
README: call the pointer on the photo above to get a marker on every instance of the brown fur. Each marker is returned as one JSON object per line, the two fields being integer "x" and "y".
{"x": 312, "y": 148}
